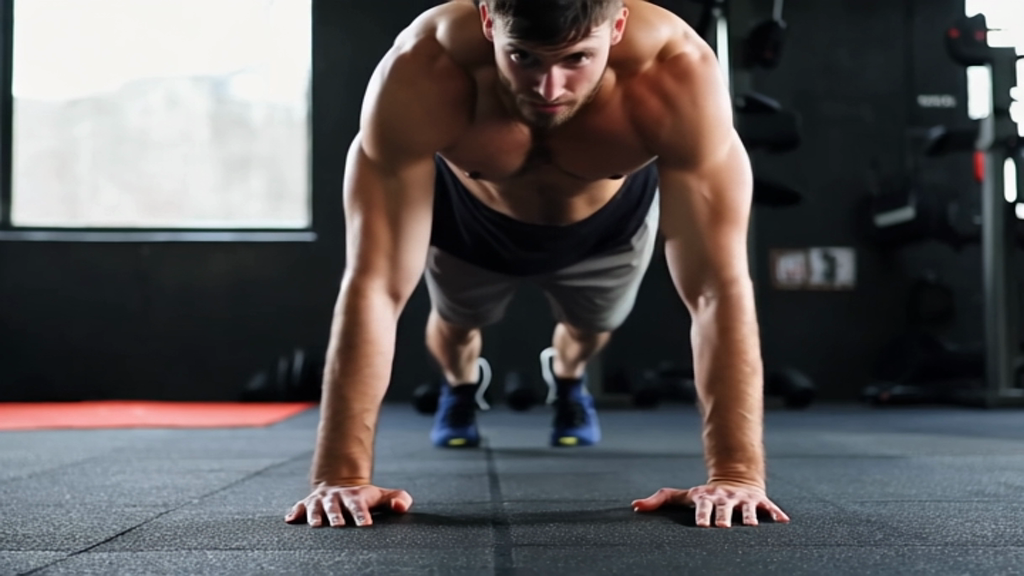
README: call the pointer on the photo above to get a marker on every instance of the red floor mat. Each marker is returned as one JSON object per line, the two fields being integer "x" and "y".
{"x": 142, "y": 414}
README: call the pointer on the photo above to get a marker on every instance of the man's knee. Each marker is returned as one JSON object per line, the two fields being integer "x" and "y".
{"x": 450, "y": 330}
{"x": 586, "y": 335}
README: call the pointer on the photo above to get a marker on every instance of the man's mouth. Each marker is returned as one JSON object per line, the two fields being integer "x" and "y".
{"x": 546, "y": 107}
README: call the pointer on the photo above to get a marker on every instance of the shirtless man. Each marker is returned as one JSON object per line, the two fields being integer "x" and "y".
{"x": 547, "y": 141}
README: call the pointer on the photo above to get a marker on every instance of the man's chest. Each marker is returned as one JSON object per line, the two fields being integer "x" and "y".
{"x": 593, "y": 146}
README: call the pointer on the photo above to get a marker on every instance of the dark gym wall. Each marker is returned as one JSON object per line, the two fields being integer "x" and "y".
{"x": 934, "y": 73}
{"x": 852, "y": 70}
{"x": 188, "y": 321}
{"x": 194, "y": 321}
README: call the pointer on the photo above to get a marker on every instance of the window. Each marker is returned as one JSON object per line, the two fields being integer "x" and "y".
{"x": 161, "y": 114}
{"x": 1006, "y": 19}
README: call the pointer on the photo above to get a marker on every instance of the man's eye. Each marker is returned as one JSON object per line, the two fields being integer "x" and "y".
{"x": 520, "y": 57}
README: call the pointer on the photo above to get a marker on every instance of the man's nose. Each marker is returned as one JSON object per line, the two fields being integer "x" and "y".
{"x": 551, "y": 85}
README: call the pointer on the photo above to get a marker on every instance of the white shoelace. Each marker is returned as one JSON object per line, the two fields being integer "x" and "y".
{"x": 485, "y": 381}
{"x": 547, "y": 357}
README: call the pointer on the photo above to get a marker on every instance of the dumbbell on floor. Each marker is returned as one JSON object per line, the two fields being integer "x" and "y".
{"x": 426, "y": 397}
{"x": 672, "y": 383}
{"x": 667, "y": 382}
{"x": 294, "y": 377}
{"x": 647, "y": 389}
{"x": 796, "y": 388}
{"x": 520, "y": 395}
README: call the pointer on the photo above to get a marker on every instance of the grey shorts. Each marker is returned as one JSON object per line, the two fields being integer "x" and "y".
{"x": 595, "y": 295}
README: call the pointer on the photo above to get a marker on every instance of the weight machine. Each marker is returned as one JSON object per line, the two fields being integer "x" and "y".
{"x": 998, "y": 141}
{"x": 995, "y": 142}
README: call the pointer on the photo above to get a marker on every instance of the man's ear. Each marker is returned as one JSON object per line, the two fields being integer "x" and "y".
{"x": 487, "y": 21}
{"x": 618, "y": 25}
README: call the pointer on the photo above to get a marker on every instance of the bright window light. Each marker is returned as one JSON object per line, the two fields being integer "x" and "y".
{"x": 161, "y": 114}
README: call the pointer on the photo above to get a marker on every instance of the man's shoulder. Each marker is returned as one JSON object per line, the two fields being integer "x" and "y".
{"x": 680, "y": 80}
{"x": 450, "y": 33}
{"x": 420, "y": 96}
{"x": 658, "y": 41}
{"x": 425, "y": 64}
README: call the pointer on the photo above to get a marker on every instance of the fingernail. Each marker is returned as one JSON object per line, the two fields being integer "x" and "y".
{"x": 360, "y": 520}
{"x": 636, "y": 508}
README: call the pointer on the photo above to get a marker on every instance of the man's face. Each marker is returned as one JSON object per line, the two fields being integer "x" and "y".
{"x": 549, "y": 84}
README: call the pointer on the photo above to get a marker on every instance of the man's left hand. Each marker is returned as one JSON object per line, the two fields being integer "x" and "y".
{"x": 722, "y": 498}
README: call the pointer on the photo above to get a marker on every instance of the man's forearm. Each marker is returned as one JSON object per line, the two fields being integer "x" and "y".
{"x": 729, "y": 377}
{"x": 356, "y": 376}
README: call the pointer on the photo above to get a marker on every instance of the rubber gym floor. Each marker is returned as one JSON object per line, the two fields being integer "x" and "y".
{"x": 893, "y": 491}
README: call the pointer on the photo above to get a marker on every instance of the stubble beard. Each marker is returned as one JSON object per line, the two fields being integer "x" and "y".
{"x": 540, "y": 121}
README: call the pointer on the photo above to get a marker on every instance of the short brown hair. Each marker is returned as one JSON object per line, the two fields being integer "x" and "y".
{"x": 551, "y": 22}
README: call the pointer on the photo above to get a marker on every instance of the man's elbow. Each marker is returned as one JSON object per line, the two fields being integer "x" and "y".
{"x": 372, "y": 291}
{"x": 708, "y": 292}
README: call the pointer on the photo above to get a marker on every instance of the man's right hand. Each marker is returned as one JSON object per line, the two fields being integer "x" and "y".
{"x": 334, "y": 502}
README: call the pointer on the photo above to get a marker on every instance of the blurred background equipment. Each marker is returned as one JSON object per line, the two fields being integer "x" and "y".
{"x": 172, "y": 249}
{"x": 294, "y": 377}
{"x": 188, "y": 194}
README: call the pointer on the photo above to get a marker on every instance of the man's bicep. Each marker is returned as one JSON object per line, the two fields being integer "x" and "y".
{"x": 389, "y": 178}
{"x": 414, "y": 107}
{"x": 705, "y": 215}
{"x": 705, "y": 179}
{"x": 388, "y": 217}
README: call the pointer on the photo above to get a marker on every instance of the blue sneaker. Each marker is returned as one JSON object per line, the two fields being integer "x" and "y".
{"x": 455, "y": 419}
{"x": 575, "y": 416}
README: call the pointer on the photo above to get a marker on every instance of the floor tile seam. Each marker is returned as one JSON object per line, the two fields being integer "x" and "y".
{"x": 500, "y": 525}
{"x": 936, "y": 458}
{"x": 933, "y": 501}
{"x": 118, "y": 450}
{"x": 810, "y": 489}
{"x": 31, "y": 475}
{"x": 405, "y": 546}
{"x": 195, "y": 500}
{"x": 397, "y": 546}
{"x": 785, "y": 456}
{"x": 847, "y": 506}
{"x": 563, "y": 501}
{"x": 746, "y": 546}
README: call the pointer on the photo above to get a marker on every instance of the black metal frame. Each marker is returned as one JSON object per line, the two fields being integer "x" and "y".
{"x": 9, "y": 231}
{"x": 1000, "y": 141}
